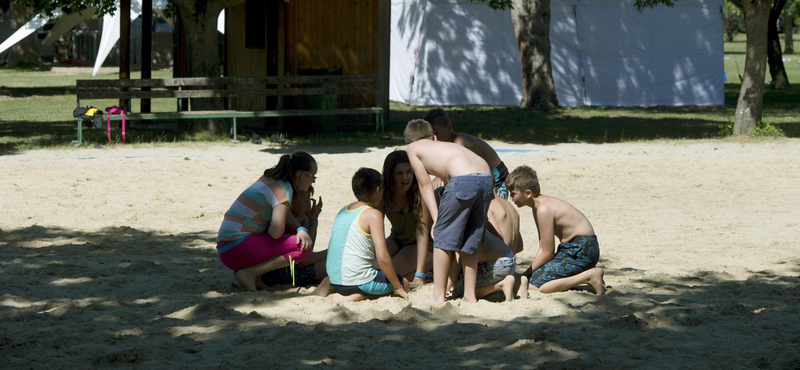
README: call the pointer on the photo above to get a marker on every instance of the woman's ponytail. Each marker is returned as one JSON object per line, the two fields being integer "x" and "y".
{"x": 288, "y": 164}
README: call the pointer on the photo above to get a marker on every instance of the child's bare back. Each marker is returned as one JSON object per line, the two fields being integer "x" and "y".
{"x": 575, "y": 261}
{"x": 445, "y": 160}
{"x": 505, "y": 220}
{"x": 568, "y": 222}
{"x": 477, "y": 146}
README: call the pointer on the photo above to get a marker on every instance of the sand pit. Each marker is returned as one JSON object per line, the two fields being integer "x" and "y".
{"x": 108, "y": 260}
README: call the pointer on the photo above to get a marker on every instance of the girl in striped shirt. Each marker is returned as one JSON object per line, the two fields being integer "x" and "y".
{"x": 259, "y": 233}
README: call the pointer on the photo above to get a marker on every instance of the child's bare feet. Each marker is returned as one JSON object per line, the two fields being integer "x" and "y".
{"x": 324, "y": 288}
{"x": 596, "y": 281}
{"x": 522, "y": 292}
{"x": 508, "y": 287}
{"x": 247, "y": 279}
{"x": 338, "y": 298}
{"x": 260, "y": 284}
{"x": 435, "y": 300}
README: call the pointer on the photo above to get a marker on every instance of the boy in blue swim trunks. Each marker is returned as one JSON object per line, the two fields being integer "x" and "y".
{"x": 443, "y": 130}
{"x": 459, "y": 223}
{"x": 574, "y": 262}
{"x": 357, "y": 240}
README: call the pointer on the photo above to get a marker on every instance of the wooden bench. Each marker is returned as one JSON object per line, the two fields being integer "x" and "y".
{"x": 229, "y": 88}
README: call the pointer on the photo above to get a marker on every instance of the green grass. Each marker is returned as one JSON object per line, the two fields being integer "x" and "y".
{"x": 36, "y": 112}
{"x": 735, "y": 52}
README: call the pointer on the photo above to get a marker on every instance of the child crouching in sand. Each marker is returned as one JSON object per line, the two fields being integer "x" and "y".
{"x": 574, "y": 262}
{"x": 258, "y": 233}
{"x": 357, "y": 240}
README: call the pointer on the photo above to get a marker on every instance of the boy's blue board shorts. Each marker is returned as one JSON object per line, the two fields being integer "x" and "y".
{"x": 573, "y": 257}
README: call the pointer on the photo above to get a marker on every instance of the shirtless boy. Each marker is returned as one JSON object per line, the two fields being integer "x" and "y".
{"x": 505, "y": 221}
{"x": 496, "y": 266}
{"x": 574, "y": 262}
{"x": 443, "y": 130}
{"x": 459, "y": 223}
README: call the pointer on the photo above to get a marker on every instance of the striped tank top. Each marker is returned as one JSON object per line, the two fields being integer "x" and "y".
{"x": 351, "y": 252}
{"x": 251, "y": 213}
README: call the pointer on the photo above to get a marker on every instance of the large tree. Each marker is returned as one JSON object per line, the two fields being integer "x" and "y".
{"x": 791, "y": 10}
{"x": 750, "y": 105}
{"x": 532, "y": 26}
{"x": 774, "y": 55}
{"x": 531, "y": 20}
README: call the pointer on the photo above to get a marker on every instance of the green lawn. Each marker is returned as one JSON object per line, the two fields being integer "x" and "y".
{"x": 36, "y": 106}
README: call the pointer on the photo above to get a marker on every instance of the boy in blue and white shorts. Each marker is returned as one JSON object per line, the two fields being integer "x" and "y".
{"x": 495, "y": 270}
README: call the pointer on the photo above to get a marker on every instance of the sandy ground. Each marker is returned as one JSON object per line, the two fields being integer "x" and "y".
{"x": 108, "y": 259}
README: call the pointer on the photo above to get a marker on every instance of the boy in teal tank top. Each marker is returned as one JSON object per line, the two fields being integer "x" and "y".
{"x": 357, "y": 240}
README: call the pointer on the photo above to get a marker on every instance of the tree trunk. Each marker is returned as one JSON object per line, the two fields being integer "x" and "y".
{"x": 532, "y": 26}
{"x": 774, "y": 55}
{"x": 26, "y": 51}
{"x": 199, "y": 19}
{"x": 750, "y": 105}
{"x": 787, "y": 32}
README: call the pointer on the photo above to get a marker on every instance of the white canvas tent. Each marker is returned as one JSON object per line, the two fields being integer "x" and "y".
{"x": 467, "y": 54}
{"x": 605, "y": 52}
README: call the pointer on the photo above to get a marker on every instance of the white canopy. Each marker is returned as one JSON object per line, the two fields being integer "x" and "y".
{"x": 605, "y": 52}
{"x": 108, "y": 38}
{"x": 28, "y": 28}
{"x": 452, "y": 52}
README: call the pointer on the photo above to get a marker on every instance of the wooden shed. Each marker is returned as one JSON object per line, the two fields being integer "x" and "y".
{"x": 296, "y": 37}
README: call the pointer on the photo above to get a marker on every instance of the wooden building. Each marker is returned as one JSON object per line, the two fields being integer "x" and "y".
{"x": 289, "y": 38}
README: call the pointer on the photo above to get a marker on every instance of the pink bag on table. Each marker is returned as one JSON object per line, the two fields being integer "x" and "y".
{"x": 115, "y": 110}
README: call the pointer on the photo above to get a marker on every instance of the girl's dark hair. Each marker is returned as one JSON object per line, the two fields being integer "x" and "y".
{"x": 288, "y": 164}
{"x": 414, "y": 198}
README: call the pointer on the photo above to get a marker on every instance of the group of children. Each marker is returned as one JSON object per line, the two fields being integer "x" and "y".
{"x": 463, "y": 217}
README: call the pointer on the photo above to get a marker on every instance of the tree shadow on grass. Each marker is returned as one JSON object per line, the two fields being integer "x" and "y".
{"x": 128, "y": 297}
{"x": 19, "y": 135}
{"x": 24, "y": 92}
{"x": 517, "y": 125}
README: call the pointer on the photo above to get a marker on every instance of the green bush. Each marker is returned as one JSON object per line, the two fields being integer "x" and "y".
{"x": 763, "y": 129}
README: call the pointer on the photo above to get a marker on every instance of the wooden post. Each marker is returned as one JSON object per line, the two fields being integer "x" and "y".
{"x": 147, "y": 48}
{"x": 179, "y": 62}
{"x": 124, "y": 47}
{"x": 384, "y": 54}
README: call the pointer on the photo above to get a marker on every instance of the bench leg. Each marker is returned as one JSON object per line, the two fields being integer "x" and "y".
{"x": 79, "y": 142}
{"x": 379, "y": 129}
{"x": 234, "y": 131}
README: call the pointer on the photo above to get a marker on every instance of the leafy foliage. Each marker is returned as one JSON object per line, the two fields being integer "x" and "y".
{"x": 640, "y": 4}
{"x": 68, "y": 6}
{"x": 763, "y": 129}
{"x": 734, "y": 20}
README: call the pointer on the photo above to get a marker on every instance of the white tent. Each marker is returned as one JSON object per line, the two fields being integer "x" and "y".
{"x": 449, "y": 52}
{"x": 605, "y": 52}
{"x": 28, "y": 28}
